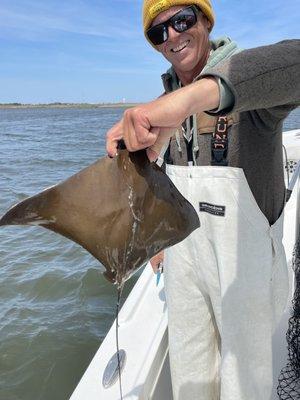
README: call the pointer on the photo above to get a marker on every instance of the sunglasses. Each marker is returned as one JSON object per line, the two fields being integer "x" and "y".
{"x": 180, "y": 22}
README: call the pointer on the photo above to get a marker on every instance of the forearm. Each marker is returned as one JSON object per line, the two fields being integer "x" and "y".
{"x": 173, "y": 108}
{"x": 151, "y": 125}
{"x": 203, "y": 95}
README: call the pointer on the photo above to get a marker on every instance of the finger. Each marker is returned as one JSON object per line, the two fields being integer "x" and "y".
{"x": 156, "y": 261}
{"x": 137, "y": 133}
{"x": 128, "y": 131}
{"x": 112, "y": 146}
{"x": 112, "y": 138}
{"x": 152, "y": 154}
{"x": 155, "y": 267}
{"x": 161, "y": 142}
{"x": 145, "y": 133}
{"x": 154, "y": 149}
{"x": 146, "y": 136}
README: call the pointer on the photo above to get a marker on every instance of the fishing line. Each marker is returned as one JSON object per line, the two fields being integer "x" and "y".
{"x": 119, "y": 292}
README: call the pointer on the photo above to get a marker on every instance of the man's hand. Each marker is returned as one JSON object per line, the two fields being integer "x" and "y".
{"x": 147, "y": 126}
{"x": 156, "y": 261}
{"x": 151, "y": 125}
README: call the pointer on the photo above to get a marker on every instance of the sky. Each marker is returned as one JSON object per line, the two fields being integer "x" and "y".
{"x": 94, "y": 50}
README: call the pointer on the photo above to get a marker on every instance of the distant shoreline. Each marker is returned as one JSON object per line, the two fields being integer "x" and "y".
{"x": 67, "y": 105}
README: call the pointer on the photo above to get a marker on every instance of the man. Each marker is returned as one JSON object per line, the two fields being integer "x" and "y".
{"x": 221, "y": 116}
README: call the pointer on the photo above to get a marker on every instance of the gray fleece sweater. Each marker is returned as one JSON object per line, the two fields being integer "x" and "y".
{"x": 265, "y": 83}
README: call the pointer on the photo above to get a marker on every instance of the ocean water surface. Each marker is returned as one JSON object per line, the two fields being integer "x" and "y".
{"x": 56, "y": 307}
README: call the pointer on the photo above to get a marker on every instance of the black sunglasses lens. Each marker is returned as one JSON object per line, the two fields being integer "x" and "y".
{"x": 158, "y": 34}
{"x": 184, "y": 22}
{"x": 181, "y": 21}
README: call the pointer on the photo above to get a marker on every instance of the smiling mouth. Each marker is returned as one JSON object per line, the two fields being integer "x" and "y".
{"x": 180, "y": 47}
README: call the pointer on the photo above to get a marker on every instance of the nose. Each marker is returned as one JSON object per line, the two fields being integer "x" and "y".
{"x": 172, "y": 33}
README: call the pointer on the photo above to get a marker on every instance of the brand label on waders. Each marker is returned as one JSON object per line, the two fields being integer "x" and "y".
{"x": 212, "y": 209}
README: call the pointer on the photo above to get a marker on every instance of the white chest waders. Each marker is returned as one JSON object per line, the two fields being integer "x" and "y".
{"x": 226, "y": 287}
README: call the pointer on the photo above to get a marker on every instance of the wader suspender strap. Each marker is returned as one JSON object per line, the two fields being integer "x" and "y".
{"x": 219, "y": 143}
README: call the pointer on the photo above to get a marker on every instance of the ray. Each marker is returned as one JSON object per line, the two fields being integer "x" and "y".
{"x": 122, "y": 210}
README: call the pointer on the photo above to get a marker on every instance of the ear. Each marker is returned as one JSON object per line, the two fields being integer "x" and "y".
{"x": 209, "y": 26}
{"x": 208, "y": 23}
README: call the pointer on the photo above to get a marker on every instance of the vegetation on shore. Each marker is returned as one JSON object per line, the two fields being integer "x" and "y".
{"x": 66, "y": 105}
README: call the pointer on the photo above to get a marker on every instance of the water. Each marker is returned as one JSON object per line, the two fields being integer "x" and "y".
{"x": 56, "y": 307}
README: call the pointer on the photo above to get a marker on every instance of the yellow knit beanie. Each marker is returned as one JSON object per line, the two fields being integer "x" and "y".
{"x": 152, "y": 8}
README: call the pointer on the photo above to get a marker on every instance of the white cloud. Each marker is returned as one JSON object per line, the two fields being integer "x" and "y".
{"x": 30, "y": 18}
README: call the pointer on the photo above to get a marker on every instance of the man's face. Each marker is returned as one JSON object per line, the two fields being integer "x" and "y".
{"x": 184, "y": 50}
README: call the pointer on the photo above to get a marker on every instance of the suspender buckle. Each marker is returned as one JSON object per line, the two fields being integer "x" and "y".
{"x": 219, "y": 152}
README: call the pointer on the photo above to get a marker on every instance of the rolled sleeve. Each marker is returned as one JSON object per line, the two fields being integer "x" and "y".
{"x": 226, "y": 99}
